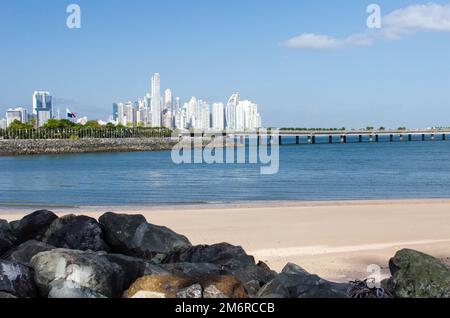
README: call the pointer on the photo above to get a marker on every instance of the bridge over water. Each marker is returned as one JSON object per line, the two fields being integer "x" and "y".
{"x": 350, "y": 136}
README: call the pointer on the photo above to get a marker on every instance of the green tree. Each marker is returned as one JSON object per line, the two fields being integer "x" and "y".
{"x": 58, "y": 123}
{"x": 17, "y": 124}
{"x": 92, "y": 124}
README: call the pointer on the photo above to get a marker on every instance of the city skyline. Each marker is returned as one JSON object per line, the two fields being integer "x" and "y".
{"x": 152, "y": 110}
{"x": 317, "y": 66}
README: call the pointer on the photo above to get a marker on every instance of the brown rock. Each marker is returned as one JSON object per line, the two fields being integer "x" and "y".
{"x": 170, "y": 285}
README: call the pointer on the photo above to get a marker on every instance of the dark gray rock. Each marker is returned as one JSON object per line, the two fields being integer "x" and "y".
{"x": 7, "y": 239}
{"x": 231, "y": 259}
{"x": 68, "y": 289}
{"x": 33, "y": 226}
{"x": 89, "y": 269}
{"x": 132, "y": 235}
{"x": 295, "y": 282}
{"x": 76, "y": 232}
{"x": 134, "y": 268}
{"x": 417, "y": 275}
{"x": 23, "y": 253}
{"x": 17, "y": 279}
{"x": 194, "y": 269}
{"x": 194, "y": 291}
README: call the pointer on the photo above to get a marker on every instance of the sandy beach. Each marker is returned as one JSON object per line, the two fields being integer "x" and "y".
{"x": 336, "y": 240}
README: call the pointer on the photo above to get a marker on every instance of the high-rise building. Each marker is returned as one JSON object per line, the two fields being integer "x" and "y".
{"x": 168, "y": 100}
{"x": 247, "y": 116}
{"x": 218, "y": 116}
{"x": 202, "y": 116}
{"x": 156, "y": 101}
{"x": 42, "y": 107}
{"x": 115, "y": 112}
{"x": 14, "y": 114}
{"x": 129, "y": 114}
{"x": 3, "y": 123}
{"x": 230, "y": 111}
{"x": 177, "y": 105}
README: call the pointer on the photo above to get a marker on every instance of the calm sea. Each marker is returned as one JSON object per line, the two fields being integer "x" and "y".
{"x": 318, "y": 172}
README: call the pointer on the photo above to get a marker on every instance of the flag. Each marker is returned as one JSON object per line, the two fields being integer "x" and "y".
{"x": 71, "y": 114}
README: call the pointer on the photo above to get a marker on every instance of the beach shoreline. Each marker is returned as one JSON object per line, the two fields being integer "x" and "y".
{"x": 337, "y": 240}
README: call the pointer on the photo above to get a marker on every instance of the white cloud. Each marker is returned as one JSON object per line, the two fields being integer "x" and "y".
{"x": 427, "y": 17}
{"x": 324, "y": 42}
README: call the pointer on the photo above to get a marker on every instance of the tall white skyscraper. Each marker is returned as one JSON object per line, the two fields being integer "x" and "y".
{"x": 218, "y": 116}
{"x": 230, "y": 111}
{"x": 177, "y": 105}
{"x": 42, "y": 107}
{"x": 168, "y": 100}
{"x": 156, "y": 101}
{"x": 202, "y": 116}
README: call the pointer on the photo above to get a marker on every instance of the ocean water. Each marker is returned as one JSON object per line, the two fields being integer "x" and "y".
{"x": 309, "y": 173}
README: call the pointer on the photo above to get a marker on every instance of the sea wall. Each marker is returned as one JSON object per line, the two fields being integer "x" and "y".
{"x": 63, "y": 146}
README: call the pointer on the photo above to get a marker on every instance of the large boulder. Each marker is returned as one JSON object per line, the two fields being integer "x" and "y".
{"x": 194, "y": 269}
{"x": 417, "y": 275}
{"x": 172, "y": 286}
{"x": 33, "y": 226}
{"x": 295, "y": 282}
{"x": 68, "y": 289}
{"x": 132, "y": 235}
{"x": 231, "y": 259}
{"x": 17, "y": 279}
{"x": 7, "y": 239}
{"x": 134, "y": 268}
{"x": 24, "y": 253}
{"x": 86, "y": 268}
{"x": 76, "y": 232}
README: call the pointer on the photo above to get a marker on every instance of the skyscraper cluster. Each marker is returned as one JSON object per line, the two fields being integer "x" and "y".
{"x": 155, "y": 110}
{"x": 42, "y": 111}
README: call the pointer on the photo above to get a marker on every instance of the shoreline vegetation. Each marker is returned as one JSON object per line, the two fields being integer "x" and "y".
{"x": 45, "y": 255}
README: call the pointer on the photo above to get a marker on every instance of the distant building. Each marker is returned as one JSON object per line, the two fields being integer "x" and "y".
{"x": 3, "y": 123}
{"x": 168, "y": 100}
{"x": 42, "y": 107}
{"x": 242, "y": 115}
{"x": 82, "y": 120}
{"x": 156, "y": 101}
{"x": 202, "y": 116}
{"x": 115, "y": 111}
{"x": 218, "y": 116}
{"x": 14, "y": 114}
{"x": 230, "y": 111}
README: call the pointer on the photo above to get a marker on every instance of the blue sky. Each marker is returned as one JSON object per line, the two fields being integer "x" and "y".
{"x": 210, "y": 49}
